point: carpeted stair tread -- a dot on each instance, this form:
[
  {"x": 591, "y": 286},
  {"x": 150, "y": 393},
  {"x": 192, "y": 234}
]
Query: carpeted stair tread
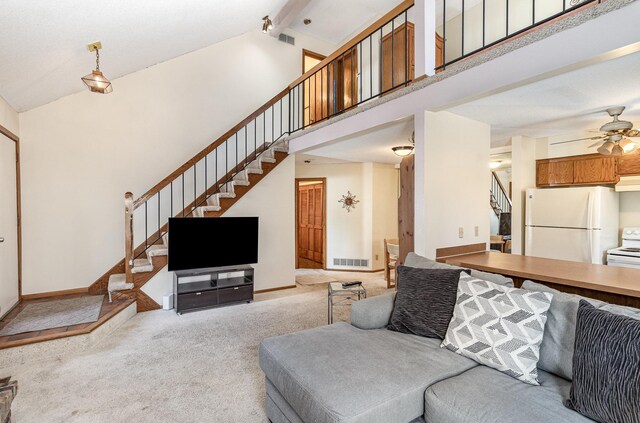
[
  {"x": 157, "y": 250},
  {"x": 118, "y": 282},
  {"x": 141, "y": 266}
]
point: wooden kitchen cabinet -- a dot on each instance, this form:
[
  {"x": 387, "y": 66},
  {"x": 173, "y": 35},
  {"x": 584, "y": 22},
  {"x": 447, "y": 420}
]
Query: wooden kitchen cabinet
[
  {"x": 629, "y": 164},
  {"x": 589, "y": 169}
]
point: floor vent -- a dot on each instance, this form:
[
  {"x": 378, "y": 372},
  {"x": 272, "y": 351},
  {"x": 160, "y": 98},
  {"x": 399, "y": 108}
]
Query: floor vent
[
  {"x": 287, "y": 39},
  {"x": 351, "y": 262}
]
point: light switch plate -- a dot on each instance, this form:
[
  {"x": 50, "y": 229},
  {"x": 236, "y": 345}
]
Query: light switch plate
[{"x": 460, "y": 232}]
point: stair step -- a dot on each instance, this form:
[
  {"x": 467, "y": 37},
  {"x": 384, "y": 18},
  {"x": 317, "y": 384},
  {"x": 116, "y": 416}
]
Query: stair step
[
  {"x": 157, "y": 250},
  {"x": 142, "y": 266},
  {"x": 242, "y": 178},
  {"x": 214, "y": 200},
  {"x": 118, "y": 282},
  {"x": 203, "y": 209},
  {"x": 264, "y": 158}
]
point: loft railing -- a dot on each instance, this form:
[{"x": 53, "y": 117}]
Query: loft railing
[
  {"x": 376, "y": 62},
  {"x": 499, "y": 199},
  {"x": 478, "y": 25}
]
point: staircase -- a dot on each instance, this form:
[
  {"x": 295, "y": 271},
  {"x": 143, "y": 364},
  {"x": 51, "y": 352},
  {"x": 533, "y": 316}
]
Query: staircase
[
  {"x": 498, "y": 198},
  {"x": 213, "y": 180}
]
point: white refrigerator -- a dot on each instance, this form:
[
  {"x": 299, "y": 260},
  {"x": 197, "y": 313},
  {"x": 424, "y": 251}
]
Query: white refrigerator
[{"x": 577, "y": 224}]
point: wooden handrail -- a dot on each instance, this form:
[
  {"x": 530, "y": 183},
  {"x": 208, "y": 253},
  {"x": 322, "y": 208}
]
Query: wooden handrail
[
  {"x": 355, "y": 40},
  {"x": 128, "y": 236},
  {"x": 346, "y": 47},
  {"x": 175, "y": 174},
  {"x": 495, "y": 176}
]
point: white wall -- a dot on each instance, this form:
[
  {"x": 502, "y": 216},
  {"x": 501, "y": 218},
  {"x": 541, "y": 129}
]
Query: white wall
[
  {"x": 83, "y": 152},
  {"x": 276, "y": 237},
  {"x": 629, "y": 209},
  {"x": 385, "y": 210},
  {"x": 523, "y": 173},
  {"x": 9, "y": 117},
  {"x": 454, "y": 154},
  {"x": 357, "y": 234}
]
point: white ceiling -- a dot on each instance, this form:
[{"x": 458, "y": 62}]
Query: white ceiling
[
  {"x": 568, "y": 103},
  {"x": 372, "y": 145},
  {"x": 336, "y": 20},
  {"x": 43, "y": 43}
]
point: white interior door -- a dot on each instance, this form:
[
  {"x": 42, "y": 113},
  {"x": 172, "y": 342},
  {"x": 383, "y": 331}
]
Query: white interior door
[
  {"x": 8, "y": 226},
  {"x": 563, "y": 244}
]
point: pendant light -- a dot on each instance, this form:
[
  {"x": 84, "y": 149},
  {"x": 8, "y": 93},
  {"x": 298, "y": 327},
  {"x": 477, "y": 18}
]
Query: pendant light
[
  {"x": 405, "y": 150},
  {"x": 96, "y": 82},
  {"x": 267, "y": 25}
]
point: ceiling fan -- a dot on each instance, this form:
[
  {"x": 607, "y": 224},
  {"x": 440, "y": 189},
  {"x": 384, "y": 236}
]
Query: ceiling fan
[{"x": 614, "y": 138}]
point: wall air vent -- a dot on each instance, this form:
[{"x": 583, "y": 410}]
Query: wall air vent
[
  {"x": 351, "y": 262},
  {"x": 287, "y": 39}
]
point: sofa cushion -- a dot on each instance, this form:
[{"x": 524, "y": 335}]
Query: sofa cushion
[
  {"x": 340, "y": 373},
  {"x": 415, "y": 260},
  {"x": 606, "y": 366},
  {"x": 425, "y": 300},
  {"x": 499, "y": 327},
  {"x": 556, "y": 351},
  {"x": 484, "y": 395},
  {"x": 373, "y": 312}
]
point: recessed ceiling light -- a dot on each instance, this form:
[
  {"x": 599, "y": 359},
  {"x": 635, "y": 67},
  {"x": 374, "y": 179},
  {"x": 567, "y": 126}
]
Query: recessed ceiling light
[{"x": 495, "y": 164}]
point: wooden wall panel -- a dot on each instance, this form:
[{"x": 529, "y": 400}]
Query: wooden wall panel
[{"x": 406, "y": 204}]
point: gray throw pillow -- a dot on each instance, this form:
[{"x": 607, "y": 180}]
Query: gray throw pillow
[
  {"x": 415, "y": 260},
  {"x": 499, "y": 327},
  {"x": 424, "y": 302},
  {"x": 556, "y": 350},
  {"x": 606, "y": 366}
]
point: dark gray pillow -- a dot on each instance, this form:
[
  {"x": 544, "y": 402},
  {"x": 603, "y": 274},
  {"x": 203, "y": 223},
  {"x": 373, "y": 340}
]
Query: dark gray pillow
[
  {"x": 425, "y": 301},
  {"x": 606, "y": 366}
]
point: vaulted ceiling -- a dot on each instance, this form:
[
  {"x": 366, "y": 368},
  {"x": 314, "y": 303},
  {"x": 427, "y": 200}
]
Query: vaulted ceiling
[{"x": 43, "y": 43}]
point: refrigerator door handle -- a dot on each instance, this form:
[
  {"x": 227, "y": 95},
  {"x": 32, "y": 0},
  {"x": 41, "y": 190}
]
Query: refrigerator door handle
[
  {"x": 590, "y": 237},
  {"x": 590, "y": 212}
]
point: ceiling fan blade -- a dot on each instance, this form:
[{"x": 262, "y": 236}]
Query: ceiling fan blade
[
  {"x": 581, "y": 139},
  {"x": 596, "y": 143}
]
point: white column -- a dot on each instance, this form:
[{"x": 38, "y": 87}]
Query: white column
[
  {"x": 419, "y": 215},
  {"x": 425, "y": 37},
  {"x": 524, "y": 152}
]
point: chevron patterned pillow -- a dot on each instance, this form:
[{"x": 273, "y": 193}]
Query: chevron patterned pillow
[{"x": 499, "y": 327}]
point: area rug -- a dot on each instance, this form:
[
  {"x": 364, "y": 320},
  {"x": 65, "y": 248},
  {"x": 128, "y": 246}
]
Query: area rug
[
  {"x": 308, "y": 277},
  {"x": 53, "y": 314}
]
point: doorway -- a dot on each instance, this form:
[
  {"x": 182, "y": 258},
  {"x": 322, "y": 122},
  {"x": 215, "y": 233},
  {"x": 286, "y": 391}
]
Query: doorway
[
  {"x": 311, "y": 228},
  {"x": 10, "y": 289}
]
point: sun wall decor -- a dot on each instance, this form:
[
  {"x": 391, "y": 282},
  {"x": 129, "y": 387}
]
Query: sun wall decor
[{"x": 348, "y": 201}]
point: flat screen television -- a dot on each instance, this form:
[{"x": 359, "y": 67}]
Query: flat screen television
[{"x": 198, "y": 243}]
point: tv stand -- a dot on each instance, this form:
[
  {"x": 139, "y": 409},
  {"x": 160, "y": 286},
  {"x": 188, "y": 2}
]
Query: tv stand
[{"x": 204, "y": 288}]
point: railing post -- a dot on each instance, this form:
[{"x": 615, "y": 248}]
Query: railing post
[{"x": 128, "y": 236}]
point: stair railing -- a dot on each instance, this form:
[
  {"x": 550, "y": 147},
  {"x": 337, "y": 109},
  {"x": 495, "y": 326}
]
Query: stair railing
[
  {"x": 354, "y": 74},
  {"x": 499, "y": 199}
]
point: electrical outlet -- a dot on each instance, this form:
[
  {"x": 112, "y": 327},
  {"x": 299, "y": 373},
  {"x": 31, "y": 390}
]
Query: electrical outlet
[
  {"x": 460, "y": 232},
  {"x": 477, "y": 231}
]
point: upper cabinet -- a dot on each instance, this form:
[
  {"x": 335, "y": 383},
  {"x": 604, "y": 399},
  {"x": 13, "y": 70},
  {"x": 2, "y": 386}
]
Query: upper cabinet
[
  {"x": 629, "y": 164},
  {"x": 589, "y": 169}
]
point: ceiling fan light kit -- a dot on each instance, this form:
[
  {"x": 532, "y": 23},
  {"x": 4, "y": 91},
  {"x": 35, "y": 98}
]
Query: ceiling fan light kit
[{"x": 614, "y": 141}]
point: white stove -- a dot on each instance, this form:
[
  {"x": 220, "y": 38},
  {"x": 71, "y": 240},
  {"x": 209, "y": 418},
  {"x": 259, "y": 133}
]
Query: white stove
[{"x": 628, "y": 255}]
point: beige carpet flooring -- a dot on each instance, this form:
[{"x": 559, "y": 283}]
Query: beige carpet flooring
[{"x": 160, "y": 367}]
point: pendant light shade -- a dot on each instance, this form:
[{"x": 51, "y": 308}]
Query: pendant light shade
[
  {"x": 403, "y": 150},
  {"x": 96, "y": 82}
]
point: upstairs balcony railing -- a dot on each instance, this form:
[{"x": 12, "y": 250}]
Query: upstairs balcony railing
[{"x": 470, "y": 26}]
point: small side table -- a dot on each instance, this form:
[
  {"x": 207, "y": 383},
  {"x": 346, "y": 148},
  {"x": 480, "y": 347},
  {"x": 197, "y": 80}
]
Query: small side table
[{"x": 339, "y": 296}]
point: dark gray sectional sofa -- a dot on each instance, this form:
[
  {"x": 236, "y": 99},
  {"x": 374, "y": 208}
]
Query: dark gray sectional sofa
[{"x": 364, "y": 373}]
